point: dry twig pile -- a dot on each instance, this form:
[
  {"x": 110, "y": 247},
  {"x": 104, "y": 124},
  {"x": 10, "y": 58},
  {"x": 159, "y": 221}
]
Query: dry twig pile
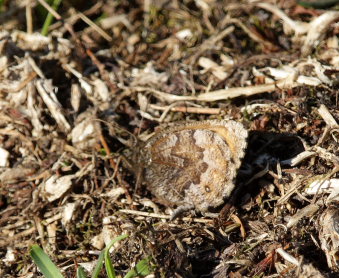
[{"x": 74, "y": 103}]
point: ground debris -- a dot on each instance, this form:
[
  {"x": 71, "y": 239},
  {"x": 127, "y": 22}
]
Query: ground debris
[{"x": 76, "y": 105}]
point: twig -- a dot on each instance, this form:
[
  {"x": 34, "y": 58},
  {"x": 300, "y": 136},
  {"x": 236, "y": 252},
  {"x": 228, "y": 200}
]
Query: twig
[
  {"x": 298, "y": 158},
  {"x": 45, "y": 89},
  {"x": 189, "y": 109},
  {"x": 253, "y": 35},
  {"x": 29, "y": 20},
  {"x": 327, "y": 117},
  {"x": 287, "y": 256},
  {"x": 297, "y": 27},
  {"x": 163, "y": 216},
  {"x": 24, "y": 83},
  {"x": 185, "y": 109},
  {"x": 50, "y": 9},
  {"x": 107, "y": 150},
  {"x": 104, "y": 74},
  {"x": 210, "y": 43},
  {"x": 222, "y": 94},
  {"x": 317, "y": 29},
  {"x": 68, "y": 27},
  {"x": 12, "y": 239},
  {"x": 92, "y": 24},
  {"x": 230, "y": 93}
]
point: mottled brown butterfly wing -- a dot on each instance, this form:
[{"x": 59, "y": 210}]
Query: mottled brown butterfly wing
[{"x": 195, "y": 163}]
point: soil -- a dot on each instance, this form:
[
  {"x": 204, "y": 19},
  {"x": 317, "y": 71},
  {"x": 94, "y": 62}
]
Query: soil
[{"x": 77, "y": 103}]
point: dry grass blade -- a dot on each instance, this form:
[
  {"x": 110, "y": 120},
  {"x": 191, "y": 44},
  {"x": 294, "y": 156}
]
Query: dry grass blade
[{"x": 118, "y": 90}]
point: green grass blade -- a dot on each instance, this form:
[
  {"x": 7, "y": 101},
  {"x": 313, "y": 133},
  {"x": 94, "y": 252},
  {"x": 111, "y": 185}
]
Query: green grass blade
[
  {"x": 321, "y": 4},
  {"x": 99, "y": 264},
  {"x": 114, "y": 240},
  {"x": 108, "y": 263},
  {"x": 2, "y": 2},
  {"x": 81, "y": 272},
  {"x": 109, "y": 267},
  {"x": 143, "y": 268},
  {"x": 49, "y": 18},
  {"x": 44, "y": 263}
]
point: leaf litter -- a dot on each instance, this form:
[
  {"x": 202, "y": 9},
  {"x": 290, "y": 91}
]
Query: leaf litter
[{"x": 75, "y": 104}]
